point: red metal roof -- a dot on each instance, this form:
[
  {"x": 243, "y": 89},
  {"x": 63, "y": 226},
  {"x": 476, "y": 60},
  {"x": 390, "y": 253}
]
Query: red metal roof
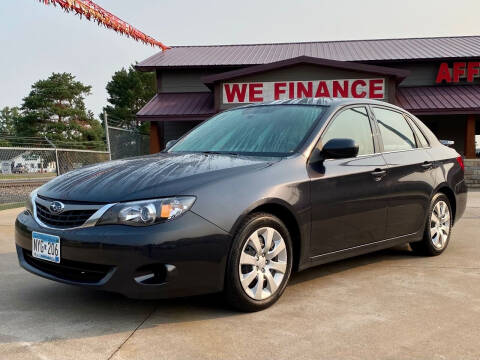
[
  {"x": 440, "y": 99},
  {"x": 181, "y": 106},
  {"x": 354, "y": 50}
]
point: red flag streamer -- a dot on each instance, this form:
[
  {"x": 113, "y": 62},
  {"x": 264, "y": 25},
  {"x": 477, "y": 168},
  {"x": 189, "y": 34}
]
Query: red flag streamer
[{"x": 91, "y": 11}]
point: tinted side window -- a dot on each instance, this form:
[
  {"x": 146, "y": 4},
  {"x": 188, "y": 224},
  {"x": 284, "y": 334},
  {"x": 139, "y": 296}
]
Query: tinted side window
[
  {"x": 395, "y": 131},
  {"x": 353, "y": 124},
  {"x": 423, "y": 139}
]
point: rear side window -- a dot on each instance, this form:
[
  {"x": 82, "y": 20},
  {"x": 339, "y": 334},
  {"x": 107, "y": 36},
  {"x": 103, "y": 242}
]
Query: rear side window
[
  {"x": 423, "y": 140},
  {"x": 353, "y": 124},
  {"x": 396, "y": 133}
]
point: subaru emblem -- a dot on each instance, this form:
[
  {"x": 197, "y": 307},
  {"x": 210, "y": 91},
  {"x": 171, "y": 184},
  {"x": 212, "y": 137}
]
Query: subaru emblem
[{"x": 56, "y": 207}]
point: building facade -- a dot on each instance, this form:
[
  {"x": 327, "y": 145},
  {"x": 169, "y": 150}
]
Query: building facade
[{"x": 436, "y": 79}]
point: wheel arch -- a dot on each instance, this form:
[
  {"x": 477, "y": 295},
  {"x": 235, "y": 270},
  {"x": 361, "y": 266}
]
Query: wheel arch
[
  {"x": 285, "y": 213},
  {"x": 448, "y": 192}
]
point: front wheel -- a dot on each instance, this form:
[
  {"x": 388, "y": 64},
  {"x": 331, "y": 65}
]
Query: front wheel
[
  {"x": 437, "y": 229},
  {"x": 260, "y": 263}
]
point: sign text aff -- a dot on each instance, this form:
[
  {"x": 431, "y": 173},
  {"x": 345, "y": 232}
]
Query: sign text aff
[{"x": 458, "y": 72}]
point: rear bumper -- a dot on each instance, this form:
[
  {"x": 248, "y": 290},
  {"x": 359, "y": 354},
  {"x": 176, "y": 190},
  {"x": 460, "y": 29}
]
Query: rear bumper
[
  {"x": 461, "y": 199},
  {"x": 186, "y": 256}
]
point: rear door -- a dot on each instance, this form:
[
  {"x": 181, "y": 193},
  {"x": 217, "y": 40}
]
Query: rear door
[
  {"x": 410, "y": 179},
  {"x": 348, "y": 195}
]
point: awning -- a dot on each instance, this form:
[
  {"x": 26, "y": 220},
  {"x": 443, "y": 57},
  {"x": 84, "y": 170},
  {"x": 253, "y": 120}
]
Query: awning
[
  {"x": 178, "y": 107},
  {"x": 433, "y": 100}
]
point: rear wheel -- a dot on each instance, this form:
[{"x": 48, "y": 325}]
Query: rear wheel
[
  {"x": 260, "y": 263},
  {"x": 437, "y": 229}
]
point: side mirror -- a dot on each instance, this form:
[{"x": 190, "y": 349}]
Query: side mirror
[
  {"x": 447, "y": 142},
  {"x": 339, "y": 149},
  {"x": 170, "y": 144}
]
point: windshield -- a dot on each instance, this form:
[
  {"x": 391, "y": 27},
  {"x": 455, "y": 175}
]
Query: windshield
[{"x": 274, "y": 130}]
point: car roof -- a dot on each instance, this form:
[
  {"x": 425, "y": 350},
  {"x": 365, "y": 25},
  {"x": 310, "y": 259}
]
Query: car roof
[{"x": 324, "y": 101}]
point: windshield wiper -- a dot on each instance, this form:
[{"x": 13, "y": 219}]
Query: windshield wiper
[{"x": 219, "y": 153}]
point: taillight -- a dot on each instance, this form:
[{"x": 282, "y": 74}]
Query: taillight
[{"x": 460, "y": 162}]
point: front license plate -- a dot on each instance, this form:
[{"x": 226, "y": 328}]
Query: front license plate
[{"x": 46, "y": 247}]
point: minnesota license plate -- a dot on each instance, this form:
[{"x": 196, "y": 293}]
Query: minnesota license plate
[{"x": 46, "y": 247}]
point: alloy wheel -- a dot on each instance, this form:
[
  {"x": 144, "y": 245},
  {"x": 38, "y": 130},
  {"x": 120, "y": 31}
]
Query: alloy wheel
[
  {"x": 263, "y": 263},
  {"x": 440, "y": 225}
]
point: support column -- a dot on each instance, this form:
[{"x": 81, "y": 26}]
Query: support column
[
  {"x": 156, "y": 137},
  {"x": 470, "y": 137}
]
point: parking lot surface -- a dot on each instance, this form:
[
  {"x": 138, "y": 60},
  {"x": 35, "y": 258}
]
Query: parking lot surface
[{"x": 386, "y": 305}]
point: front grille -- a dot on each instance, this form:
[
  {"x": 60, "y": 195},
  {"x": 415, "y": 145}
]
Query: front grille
[
  {"x": 69, "y": 270},
  {"x": 66, "y": 219}
]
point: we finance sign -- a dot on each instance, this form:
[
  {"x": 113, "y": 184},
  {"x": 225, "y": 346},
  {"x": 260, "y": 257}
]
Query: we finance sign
[{"x": 239, "y": 93}]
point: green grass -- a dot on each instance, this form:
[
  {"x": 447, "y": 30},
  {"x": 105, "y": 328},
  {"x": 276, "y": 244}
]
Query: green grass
[
  {"x": 12, "y": 206},
  {"x": 26, "y": 176}
]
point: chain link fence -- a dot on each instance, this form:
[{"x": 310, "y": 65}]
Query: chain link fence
[
  {"x": 126, "y": 143},
  {"x": 27, "y": 163},
  {"x": 23, "y": 169}
]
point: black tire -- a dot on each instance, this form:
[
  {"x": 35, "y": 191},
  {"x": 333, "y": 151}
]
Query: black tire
[
  {"x": 234, "y": 292},
  {"x": 426, "y": 247}
]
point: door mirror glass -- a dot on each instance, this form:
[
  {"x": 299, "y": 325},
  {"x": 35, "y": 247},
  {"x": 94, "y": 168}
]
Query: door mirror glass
[
  {"x": 339, "y": 149},
  {"x": 170, "y": 144}
]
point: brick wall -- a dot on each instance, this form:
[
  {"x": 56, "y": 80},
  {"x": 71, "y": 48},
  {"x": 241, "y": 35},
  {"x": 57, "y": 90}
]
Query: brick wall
[{"x": 472, "y": 172}]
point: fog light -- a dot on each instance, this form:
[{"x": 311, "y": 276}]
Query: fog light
[{"x": 153, "y": 274}]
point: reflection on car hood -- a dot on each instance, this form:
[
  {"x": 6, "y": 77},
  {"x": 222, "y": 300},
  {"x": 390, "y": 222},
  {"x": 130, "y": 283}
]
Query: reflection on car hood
[{"x": 147, "y": 177}]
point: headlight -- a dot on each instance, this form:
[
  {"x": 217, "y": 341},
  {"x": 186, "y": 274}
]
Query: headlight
[
  {"x": 29, "y": 204},
  {"x": 147, "y": 212}
]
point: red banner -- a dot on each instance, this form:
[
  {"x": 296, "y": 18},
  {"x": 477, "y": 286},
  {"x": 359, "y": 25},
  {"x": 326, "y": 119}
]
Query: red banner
[{"x": 91, "y": 11}]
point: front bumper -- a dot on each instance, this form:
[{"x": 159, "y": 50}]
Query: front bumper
[{"x": 187, "y": 255}]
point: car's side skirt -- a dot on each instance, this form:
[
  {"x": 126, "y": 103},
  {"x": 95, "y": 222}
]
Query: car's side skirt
[{"x": 360, "y": 250}]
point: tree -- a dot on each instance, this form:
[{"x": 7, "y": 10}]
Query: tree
[
  {"x": 8, "y": 119},
  {"x": 129, "y": 90},
  {"x": 55, "y": 108}
]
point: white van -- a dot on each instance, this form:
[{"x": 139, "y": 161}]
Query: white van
[{"x": 6, "y": 168}]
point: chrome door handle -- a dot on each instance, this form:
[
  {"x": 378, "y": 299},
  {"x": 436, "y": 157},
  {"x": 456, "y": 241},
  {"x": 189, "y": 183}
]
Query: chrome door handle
[
  {"x": 378, "y": 174},
  {"x": 427, "y": 165}
]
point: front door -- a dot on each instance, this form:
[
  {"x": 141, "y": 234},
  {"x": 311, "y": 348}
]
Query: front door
[{"x": 348, "y": 195}]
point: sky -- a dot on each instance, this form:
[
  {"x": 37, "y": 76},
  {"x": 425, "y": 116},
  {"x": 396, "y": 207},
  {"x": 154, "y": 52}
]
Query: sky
[{"x": 36, "y": 40}]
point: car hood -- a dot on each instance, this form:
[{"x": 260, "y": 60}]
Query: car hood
[{"x": 147, "y": 177}]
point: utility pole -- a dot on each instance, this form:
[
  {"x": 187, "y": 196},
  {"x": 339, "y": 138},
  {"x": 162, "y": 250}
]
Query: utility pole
[
  {"x": 107, "y": 134},
  {"x": 56, "y": 154}
]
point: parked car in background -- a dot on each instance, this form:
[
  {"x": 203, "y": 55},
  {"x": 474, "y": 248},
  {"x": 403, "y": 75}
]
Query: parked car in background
[
  {"x": 246, "y": 198},
  {"x": 19, "y": 169}
]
